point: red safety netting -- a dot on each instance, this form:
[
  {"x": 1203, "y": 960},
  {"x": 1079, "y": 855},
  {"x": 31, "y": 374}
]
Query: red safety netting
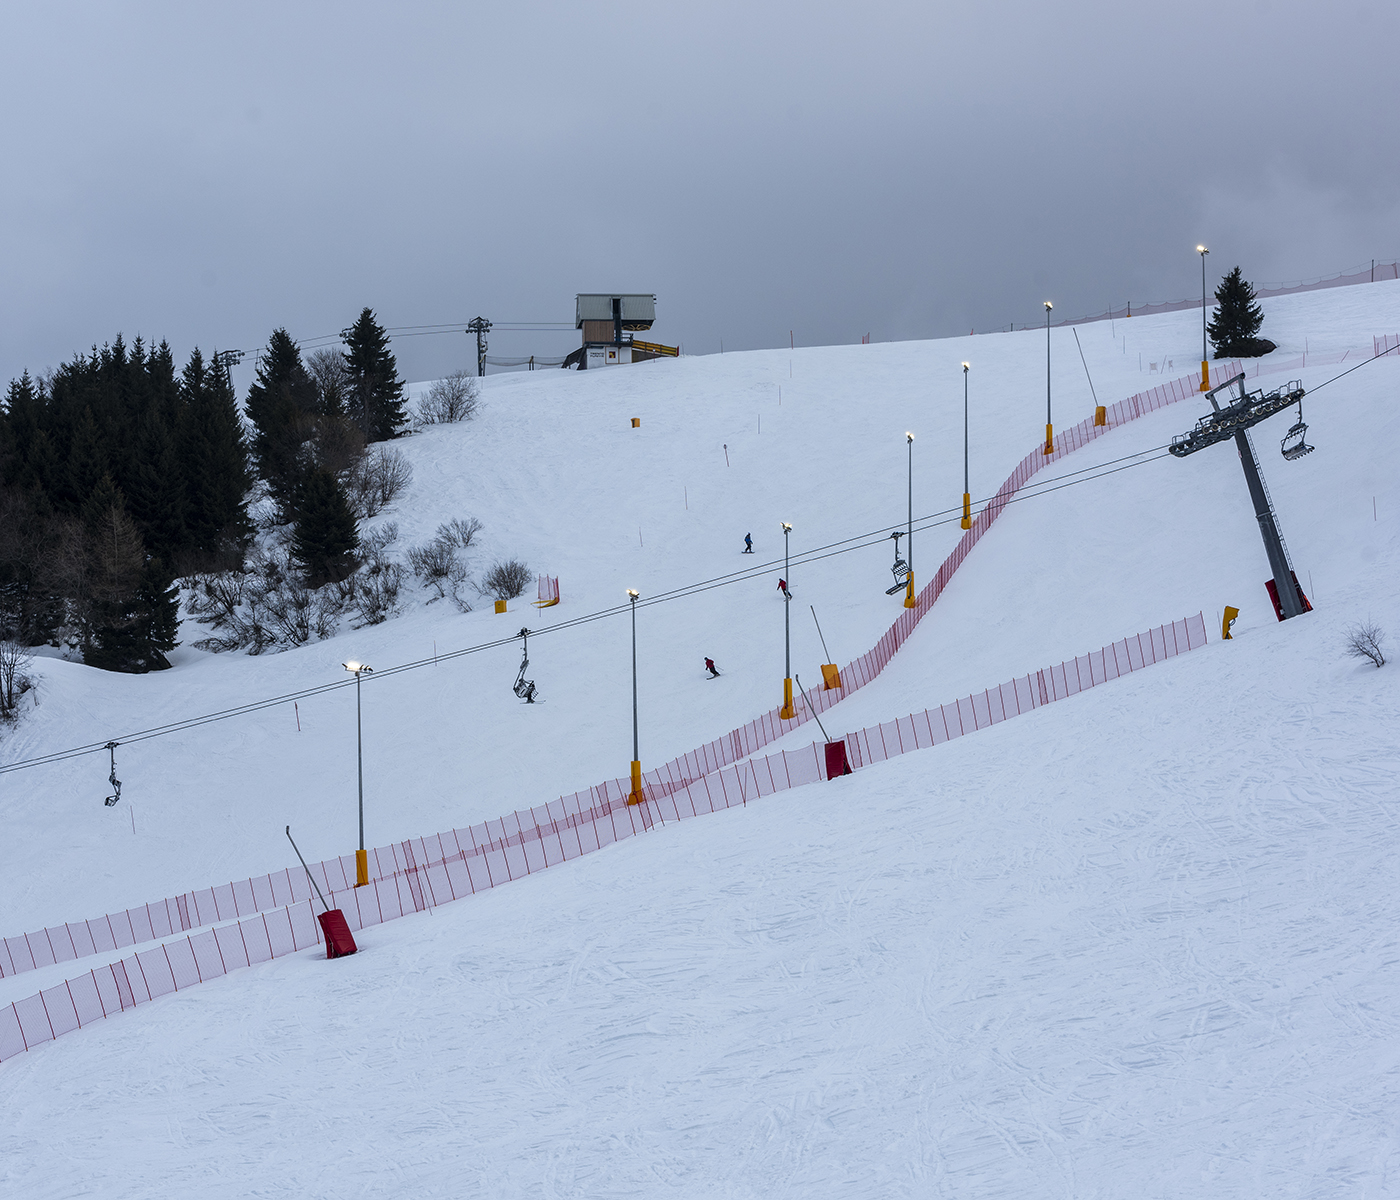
[
  {"x": 524, "y": 843},
  {"x": 547, "y": 590},
  {"x": 1386, "y": 343},
  {"x": 209, "y": 906}
]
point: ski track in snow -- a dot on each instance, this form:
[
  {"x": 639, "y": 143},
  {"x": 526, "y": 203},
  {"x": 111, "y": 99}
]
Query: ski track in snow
[{"x": 1141, "y": 943}]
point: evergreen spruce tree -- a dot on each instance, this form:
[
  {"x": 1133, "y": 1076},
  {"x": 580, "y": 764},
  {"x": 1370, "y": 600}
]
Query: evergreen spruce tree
[
  {"x": 156, "y": 499},
  {"x": 23, "y": 411},
  {"x": 87, "y": 463},
  {"x": 1237, "y": 320},
  {"x": 214, "y": 463},
  {"x": 280, "y": 403},
  {"x": 325, "y": 538},
  {"x": 376, "y": 391}
]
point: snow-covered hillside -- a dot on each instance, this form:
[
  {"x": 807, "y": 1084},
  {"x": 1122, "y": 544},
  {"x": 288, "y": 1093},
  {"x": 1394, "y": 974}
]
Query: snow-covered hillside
[{"x": 1134, "y": 944}]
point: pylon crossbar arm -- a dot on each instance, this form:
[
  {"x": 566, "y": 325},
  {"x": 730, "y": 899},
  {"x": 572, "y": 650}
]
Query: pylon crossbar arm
[{"x": 1247, "y": 411}]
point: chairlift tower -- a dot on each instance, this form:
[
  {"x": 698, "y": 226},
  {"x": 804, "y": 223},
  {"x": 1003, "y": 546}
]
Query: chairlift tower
[
  {"x": 479, "y": 326},
  {"x": 1234, "y": 421}
]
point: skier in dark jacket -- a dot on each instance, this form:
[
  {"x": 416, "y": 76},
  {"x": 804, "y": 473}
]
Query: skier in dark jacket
[
  {"x": 748, "y": 543},
  {"x": 783, "y": 587},
  {"x": 711, "y": 668}
]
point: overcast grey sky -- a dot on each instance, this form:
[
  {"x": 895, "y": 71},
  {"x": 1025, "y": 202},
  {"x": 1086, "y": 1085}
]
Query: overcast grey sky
[{"x": 205, "y": 173}]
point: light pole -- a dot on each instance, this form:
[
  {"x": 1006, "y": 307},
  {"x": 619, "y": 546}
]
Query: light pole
[
  {"x": 1049, "y": 428},
  {"x": 1205, "y": 358},
  {"x": 361, "y": 856},
  {"x": 909, "y": 600},
  {"x": 967, "y": 492},
  {"x": 787, "y": 712},
  {"x": 635, "y": 795}
]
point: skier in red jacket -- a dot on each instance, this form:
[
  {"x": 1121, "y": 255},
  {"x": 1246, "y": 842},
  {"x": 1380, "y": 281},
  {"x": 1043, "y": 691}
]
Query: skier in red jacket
[{"x": 711, "y": 668}]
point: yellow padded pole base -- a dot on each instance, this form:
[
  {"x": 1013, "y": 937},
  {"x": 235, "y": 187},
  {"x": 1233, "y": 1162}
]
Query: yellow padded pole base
[
  {"x": 1205, "y": 376},
  {"x": 967, "y": 510},
  {"x": 500, "y": 606},
  {"x": 1101, "y": 415},
  {"x": 831, "y": 677},
  {"x": 635, "y": 795},
  {"x": 1231, "y": 612},
  {"x": 636, "y": 422},
  {"x": 361, "y": 868},
  {"x": 1049, "y": 440},
  {"x": 787, "y": 712},
  {"x": 909, "y": 600}
]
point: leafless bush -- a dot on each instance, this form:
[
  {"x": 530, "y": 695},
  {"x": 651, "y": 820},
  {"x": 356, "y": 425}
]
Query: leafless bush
[
  {"x": 374, "y": 543},
  {"x": 506, "y": 580},
  {"x": 1364, "y": 640},
  {"x": 264, "y": 607},
  {"x": 437, "y": 563},
  {"x": 452, "y": 398},
  {"x": 15, "y": 660},
  {"x": 459, "y": 531},
  {"x": 376, "y": 591},
  {"x": 376, "y": 480},
  {"x": 331, "y": 374}
]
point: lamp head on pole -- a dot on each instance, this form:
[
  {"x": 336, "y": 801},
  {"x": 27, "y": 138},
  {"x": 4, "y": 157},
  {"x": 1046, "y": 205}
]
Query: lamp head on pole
[
  {"x": 908, "y": 437},
  {"x": 966, "y": 367},
  {"x": 357, "y": 667},
  {"x": 786, "y": 528},
  {"x": 1048, "y": 306},
  {"x": 632, "y": 594},
  {"x": 1202, "y": 250}
]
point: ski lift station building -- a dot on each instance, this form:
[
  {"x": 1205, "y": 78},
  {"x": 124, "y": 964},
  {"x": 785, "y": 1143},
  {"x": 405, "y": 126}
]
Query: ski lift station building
[{"x": 608, "y": 321}]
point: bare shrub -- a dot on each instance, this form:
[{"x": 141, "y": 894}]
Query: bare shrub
[
  {"x": 438, "y": 564},
  {"x": 460, "y": 531},
  {"x": 506, "y": 580},
  {"x": 1364, "y": 640},
  {"x": 331, "y": 374},
  {"x": 376, "y": 591},
  {"x": 15, "y": 660},
  {"x": 453, "y": 398},
  {"x": 376, "y": 480}
]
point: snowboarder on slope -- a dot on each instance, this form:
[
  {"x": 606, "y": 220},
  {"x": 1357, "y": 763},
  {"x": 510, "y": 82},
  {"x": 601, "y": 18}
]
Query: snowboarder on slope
[
  {"x": 748, "y": 543},
  {"x": 711, "y": 668},
  {"x": 783, "y": 587}
]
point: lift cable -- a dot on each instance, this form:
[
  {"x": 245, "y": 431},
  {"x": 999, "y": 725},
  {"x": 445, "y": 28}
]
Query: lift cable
[{"x": 947, "y": 516}]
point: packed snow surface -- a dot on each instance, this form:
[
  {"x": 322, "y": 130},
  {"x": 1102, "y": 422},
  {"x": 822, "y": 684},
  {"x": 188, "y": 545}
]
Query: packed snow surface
[{"x": 1139, "y": 943}]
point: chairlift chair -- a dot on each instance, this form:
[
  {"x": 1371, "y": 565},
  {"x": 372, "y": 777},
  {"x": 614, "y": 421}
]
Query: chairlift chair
[
  {"x": 525, "y": 688},
  {"x": 900, "y": 568},
  {"x": 1294, "y": 444}
]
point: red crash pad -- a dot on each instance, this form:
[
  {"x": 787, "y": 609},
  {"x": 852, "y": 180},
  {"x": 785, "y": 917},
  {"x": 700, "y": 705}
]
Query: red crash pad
[
  {"x": 836, "y": 763},
  {"x": 339, "y": 941}
]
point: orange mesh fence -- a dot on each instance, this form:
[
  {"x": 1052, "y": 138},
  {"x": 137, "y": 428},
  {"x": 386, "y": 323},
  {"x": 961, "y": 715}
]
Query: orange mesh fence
[
  {"x": 230, "y": 901},
  {"x": 523, "y": 844}
]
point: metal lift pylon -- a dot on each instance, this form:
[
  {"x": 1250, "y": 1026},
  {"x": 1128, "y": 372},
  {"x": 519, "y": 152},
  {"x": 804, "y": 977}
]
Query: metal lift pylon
[{"x": 1234, "y": 421}]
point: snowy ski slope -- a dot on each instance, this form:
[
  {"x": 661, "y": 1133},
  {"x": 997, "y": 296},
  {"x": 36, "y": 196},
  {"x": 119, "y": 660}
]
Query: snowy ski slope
[{"x": 1129, "y": 945}]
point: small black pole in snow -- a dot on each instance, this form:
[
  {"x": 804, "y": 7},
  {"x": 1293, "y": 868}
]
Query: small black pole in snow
[
  {"x": 307, "y": 869},
  {"x": 726, "y": 454},
  {"x": 296, "y": 708}
]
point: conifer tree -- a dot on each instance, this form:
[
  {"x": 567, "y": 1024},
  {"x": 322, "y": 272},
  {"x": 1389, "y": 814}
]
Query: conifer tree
[
  {"x": 376, "y": 391},
  {"x": 325, "y": 538},
  {"x": 280, "y": 402},
  {"x": 214, "y": 462},
  {"x": 1237, "y": 320}
]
